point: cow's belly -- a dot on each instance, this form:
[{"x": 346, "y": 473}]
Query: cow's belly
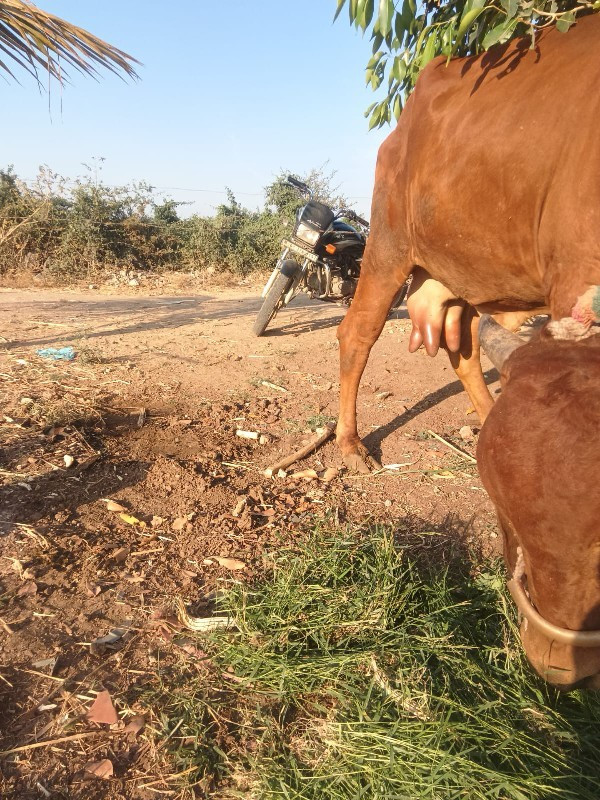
[
  {"x": 491, "y": 214},
  {"x": 491, "y": 282}
]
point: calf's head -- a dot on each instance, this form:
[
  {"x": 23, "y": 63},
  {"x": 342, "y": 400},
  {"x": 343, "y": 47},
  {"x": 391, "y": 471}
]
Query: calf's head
[{"x": 539, "y": 460}]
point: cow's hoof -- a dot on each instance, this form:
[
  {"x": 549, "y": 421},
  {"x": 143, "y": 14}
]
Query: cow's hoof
[{"x": 361, "y": 461}]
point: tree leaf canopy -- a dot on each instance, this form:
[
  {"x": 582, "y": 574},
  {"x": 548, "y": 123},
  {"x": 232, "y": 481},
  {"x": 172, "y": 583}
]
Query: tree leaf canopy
[{"x": 407, "y": 34}]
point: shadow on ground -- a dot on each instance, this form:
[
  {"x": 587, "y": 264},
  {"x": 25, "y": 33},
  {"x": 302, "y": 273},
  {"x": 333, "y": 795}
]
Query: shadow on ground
[{"x": 374, "y": 440}]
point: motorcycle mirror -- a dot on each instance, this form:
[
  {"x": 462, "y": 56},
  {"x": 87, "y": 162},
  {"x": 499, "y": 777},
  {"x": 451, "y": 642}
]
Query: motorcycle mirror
[{"x": 299, "y": 185}]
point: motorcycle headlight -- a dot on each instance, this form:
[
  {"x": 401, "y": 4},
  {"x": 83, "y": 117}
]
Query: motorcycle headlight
[{"x": 306, "y": 234}]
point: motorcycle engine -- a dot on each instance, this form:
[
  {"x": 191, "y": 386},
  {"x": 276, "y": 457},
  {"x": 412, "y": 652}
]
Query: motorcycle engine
[
  {"x": 348, "y": 287},
  {"x": 316, "y": 283}
]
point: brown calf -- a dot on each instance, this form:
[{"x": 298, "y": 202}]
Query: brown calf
[{"x": 539, "y": 459}]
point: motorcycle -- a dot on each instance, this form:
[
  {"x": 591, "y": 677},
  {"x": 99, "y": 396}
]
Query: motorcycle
[{"x": 322, "y": 257}]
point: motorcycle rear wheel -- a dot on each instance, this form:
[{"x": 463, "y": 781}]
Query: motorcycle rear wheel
[
  {"x": 279, "y": 288},
  {"x": 401, "y": 296}
]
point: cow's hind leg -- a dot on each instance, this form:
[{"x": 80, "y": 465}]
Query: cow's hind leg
[
  {"x": 467, "y": 361},
  {"x": 467, "y": 364},
  {"x": 360, "y": 329}
]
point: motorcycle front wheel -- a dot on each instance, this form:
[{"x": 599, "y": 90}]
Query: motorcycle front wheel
[{"x": 272, "y": 302}]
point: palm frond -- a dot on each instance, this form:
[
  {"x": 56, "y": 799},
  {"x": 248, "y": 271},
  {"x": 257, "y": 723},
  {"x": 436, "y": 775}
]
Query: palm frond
[{"x": 36, "y": 40}]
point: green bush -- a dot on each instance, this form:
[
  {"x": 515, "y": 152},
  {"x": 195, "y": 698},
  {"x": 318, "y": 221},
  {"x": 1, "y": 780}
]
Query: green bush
[
  {"x": 78, "y": 229},
  {"x": 235, "y": 239}
]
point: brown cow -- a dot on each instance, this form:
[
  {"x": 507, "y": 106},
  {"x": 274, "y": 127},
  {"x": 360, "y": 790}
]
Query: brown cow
[
  {"x": 490, "y": 183},
  {"x": 539, "y": 459}
]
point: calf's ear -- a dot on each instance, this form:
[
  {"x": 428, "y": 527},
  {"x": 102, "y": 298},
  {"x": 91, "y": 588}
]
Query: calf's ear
[{"x": 497, "y": 342}]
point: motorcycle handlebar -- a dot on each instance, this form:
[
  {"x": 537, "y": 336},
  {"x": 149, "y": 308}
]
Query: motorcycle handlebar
[
  {"x": 298, "y": 184},
  {"x": 344, "y": 212},
  {"x": 347, "y": 212}
]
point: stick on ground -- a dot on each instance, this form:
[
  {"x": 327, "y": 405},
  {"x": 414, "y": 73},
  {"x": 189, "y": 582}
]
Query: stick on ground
[
  {"x": 36, "y": 745},
  {"x": 462, "y": 453},
  {"x": 298, "y": 455}
]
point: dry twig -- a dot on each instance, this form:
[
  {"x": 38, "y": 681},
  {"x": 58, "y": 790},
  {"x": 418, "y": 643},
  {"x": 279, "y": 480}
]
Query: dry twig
[
  {"x": 47, "y": 743},
  {"x": 461, "y": 453},
  {"x": 298, "y": 455}
]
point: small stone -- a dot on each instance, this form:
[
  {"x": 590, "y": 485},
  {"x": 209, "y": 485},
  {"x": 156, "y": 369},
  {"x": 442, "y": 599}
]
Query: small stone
[{"x": 466, "y": 433}]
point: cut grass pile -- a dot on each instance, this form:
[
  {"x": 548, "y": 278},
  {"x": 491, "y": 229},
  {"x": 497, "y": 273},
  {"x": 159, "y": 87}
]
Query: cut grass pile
[{"x": 362, "y": 669}]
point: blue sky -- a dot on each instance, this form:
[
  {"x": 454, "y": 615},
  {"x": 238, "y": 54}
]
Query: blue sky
[{"x": 230, "y": 93}]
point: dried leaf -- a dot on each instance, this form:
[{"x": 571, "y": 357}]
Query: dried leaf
[
  {"x": 114, "y": 635},
  {"x": 180, "y": 423},
  {"x": 18, "y": 567},
  {"x": 281, "y": 473},
  {"x": 135, "y": 725},
  {"x": 100, "y": 769},
  {"x": 120, "y": 555},
  {"x": 103, "y": 711},
  {"x": 190, "y": 648},
  {"x": 54, "y": 431},
  {"x": 230, "y": 677},
  {"x": 189, "y": 573},
  {"x": 156, "y": 522},
  {"x": 46, "y": 662},
  {"x": 179, "y": 524},
  {"x": 275, "y": 386},
  {"x": 111, "y": 505},
  {"x": 307, "y": 474},
  {"x": 442, "y": 473},
  {"x": 200, "y": 624},
  {"x": 265, "y": 512},
  {"x": 6, "y": 627},
  {"x": 230, "y": 563},
  {"x": 239, "y": 507},
  {"x": 329, "y": 474},
  {"x": 28, "y": 588},
  {"x": 130, "y": 520},
  {"x": 47, "y": 707}
]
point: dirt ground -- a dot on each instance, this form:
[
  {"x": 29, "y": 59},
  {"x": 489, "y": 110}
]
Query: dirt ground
[{"x": 146, "y": 416}]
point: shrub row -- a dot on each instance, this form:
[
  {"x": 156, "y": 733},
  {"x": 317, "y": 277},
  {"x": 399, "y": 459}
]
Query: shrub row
[{"x": 77, "y": 229}]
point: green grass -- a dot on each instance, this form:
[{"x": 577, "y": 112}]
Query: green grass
[
  {"x": 319, "y": 421},
  {"x": 366, "y": 668}
]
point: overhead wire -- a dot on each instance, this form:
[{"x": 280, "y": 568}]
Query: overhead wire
[{"x": 161, "y": 189}]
